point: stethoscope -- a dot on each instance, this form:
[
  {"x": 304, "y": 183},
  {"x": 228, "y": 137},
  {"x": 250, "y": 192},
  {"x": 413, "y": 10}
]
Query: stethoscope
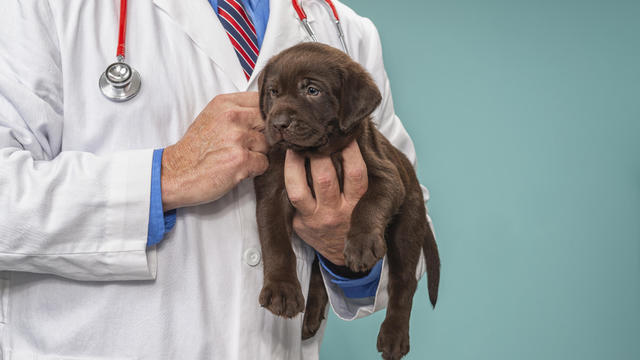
[
  {"x": 302, "y": 16},
  {"x": 120, "y": 82}
]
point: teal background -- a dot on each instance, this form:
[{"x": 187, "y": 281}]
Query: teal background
[{"x": 526, "y": 119}]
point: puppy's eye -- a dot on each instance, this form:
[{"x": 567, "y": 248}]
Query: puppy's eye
[
  {"x": 273, "y": 92},
  {"x": 313, "y": 91}
]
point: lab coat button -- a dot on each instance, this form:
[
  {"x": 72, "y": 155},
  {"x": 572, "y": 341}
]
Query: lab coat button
[{"x": 252, "y": 256}]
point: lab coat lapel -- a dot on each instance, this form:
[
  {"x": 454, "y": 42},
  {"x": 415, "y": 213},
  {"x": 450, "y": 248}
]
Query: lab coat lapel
[
  {"x": 283, "y": 31},
  {"x": 199, "y": 21}
]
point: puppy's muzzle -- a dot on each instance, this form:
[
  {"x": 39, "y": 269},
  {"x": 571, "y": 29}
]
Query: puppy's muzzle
[{"x": 281, "y": 122}]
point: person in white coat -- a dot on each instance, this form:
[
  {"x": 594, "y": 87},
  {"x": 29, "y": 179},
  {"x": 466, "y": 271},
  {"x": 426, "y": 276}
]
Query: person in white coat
[{"x": 80, "y": 275}]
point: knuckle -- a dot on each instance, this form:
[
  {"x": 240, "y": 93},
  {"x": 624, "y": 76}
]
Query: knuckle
[
  {"x": 239, "y": 155},
  {"x": 356, "y": 173},
  {"x": 229, "y": 115},
  {"x": 219, "y": 102},
  {"x": 296, "y": 196},
  {"x": 361, "y": 191},
  {"x": 295, "y": 201},
  {"x": 325, "y": 181},
  {"x": 244, "y": 156},
  {"x": 225, "y": 117},
  {"x": 237, "y": 136}
]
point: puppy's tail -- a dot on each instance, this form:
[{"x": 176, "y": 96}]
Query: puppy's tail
[{"x": 432, "y": 259}]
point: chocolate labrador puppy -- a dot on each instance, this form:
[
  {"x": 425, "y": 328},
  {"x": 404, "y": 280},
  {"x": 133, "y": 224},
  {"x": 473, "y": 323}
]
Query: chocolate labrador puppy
[{"x": 316, "y": 100}]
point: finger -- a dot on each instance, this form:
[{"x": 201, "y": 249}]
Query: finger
[
  {"x": 258, "y": 163},
  {"x": 247, "y": 117},
  {"x": 325, "y": 182},
  {"x": 295, "y": 180},
  {"x": 256, "y": 141},
  {"x": 228, "y": 102},
  {"x": 242, "y": 99},
  {"x": 355, "y": 172}
]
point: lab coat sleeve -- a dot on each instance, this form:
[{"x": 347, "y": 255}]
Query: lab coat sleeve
[
  {"x": 160, "y": 222},
  {"x": 68, "y": 213},
  {"x": 365, "y": 285},
  {"x": 368, "y": 52}
]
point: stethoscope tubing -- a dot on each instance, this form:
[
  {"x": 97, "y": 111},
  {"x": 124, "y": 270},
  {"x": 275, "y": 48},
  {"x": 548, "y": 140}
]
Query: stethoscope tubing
[
  {"x": 122, "y": 30},
  {"x": 120, "y": 82},
  {"x": 333, "y": 12}
]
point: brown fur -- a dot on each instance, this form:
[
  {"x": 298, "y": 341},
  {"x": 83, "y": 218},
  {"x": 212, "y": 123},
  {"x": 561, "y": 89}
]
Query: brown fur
[{"x": 390, "y": 218}]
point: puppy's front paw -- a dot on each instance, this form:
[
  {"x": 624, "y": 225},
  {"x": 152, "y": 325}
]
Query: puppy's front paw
[
  {"x": 362, "y": 251},
  {"x": 393, "y": 340},
  {"x": 283, "y": 298}
]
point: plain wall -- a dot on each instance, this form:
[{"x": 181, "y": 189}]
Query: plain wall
[{"x": 526, "y": 120}]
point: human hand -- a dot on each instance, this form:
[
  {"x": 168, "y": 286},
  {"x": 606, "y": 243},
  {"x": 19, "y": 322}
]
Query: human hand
[
  {"x": 323, "y": 222},
  {"x": 223, "y": 146}
]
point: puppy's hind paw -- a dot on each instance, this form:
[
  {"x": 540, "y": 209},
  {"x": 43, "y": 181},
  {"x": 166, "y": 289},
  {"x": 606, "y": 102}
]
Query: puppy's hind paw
[
  {"x": 282, "y": 298},
  {"x": 312, "y": 319},
  {"x": 362, "y": 251}
]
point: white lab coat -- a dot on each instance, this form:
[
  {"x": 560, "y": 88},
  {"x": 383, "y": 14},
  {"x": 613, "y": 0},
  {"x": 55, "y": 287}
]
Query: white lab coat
[{"x": 77, "y": 279}]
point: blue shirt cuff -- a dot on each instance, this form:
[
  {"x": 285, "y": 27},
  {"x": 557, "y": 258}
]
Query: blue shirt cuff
[
  {"x": 160, "y": 222},
  {"x": 363, "y": 287}
]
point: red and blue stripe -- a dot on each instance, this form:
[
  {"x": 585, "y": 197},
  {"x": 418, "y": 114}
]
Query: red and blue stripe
[{"x": 241, "y": 32}]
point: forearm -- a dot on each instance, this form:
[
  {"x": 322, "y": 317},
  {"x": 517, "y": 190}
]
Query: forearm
[{"x": 78, "y": 215}]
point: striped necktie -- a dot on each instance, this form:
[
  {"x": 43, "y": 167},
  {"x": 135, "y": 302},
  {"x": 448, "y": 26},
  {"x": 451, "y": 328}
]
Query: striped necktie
[{"x": 241, "y": 32}]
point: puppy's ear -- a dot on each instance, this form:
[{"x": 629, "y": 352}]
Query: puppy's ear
[
  {"x": 265, "y": 99},
  {"x": 359, "y": 96}
]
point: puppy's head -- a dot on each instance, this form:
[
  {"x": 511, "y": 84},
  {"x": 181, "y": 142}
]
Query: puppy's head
[{"x": 314, "y": 97}]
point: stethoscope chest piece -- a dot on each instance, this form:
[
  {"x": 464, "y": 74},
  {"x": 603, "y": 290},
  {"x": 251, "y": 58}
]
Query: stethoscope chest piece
[{"x": 120, "y": 82}]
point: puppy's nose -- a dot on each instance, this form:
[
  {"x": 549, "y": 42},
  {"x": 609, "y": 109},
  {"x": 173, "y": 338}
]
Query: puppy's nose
[{"x": 281, "y": 121}]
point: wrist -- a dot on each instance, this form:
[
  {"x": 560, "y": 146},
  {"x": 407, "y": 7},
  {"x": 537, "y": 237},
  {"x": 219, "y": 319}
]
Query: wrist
[
  {"x": 341, "y": 270},
  {"x": 170, "y": 184},
  {"x": 334, "y": 257},
  {"x": 331, "y": 249}
]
